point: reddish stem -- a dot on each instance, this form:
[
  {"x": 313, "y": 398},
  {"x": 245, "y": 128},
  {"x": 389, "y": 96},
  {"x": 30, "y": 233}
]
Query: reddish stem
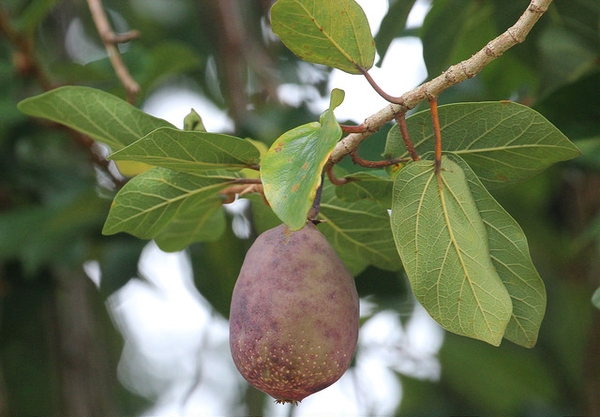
[
  {"x": 335, "y": 180},
  {"x": 437, "y": 133},
  {"x": 376, "y": 164},
  {"x": 379, "y": 90},
  {"x": 401, "y": 119}
]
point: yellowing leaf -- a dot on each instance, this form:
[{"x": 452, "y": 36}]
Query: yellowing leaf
[{"x": 291, "y": 169}]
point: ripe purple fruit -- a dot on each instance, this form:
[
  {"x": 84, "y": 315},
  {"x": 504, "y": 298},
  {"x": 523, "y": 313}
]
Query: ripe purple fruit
[{"x": 294, "y": 314}]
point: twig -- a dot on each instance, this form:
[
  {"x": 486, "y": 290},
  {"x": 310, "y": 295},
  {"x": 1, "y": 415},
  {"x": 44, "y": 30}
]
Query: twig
[
  {"x": 313, "y": 213},
  {"x": 335, "y": 180},
  {"x": 111, "y": 40},
  {"x": 452, "y": 76},
  {"x": 401, "y": 120},
  {"x": 240, "y": 187},
  {"x": 379, "y": 90},
  {"x": 27, "y": 64},
  {"x": 376, "y": 164}
]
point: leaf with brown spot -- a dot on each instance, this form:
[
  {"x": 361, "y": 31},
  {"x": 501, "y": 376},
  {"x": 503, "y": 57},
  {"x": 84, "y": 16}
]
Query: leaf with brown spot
[{"x": 291, "y": 169}]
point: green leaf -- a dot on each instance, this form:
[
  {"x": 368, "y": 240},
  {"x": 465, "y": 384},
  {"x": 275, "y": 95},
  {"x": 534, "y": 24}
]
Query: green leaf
[
  {"x": 204, "y": 223},
  {"x": 392, "y": 25},
  {"x": 329, "y": 32},
  {"x": 291, "y": 169},
  {"x": 443, "y": 244},
  {"x": 102, "y": 116},
  {"x": 147, "y": 205},
  {"x": 359, "y": 231},
  {"x": 367, "y": 186},
  {"x": 166, "y": 59},
  {"x": 53, "y": 233},
  {"x": 510, "y": 256},
  {"x": 453, "y": 30},
  {"x": 190, "y": 151},
  {"x": 502, "y": 142},
  {"x": 30, "y": 19},
  {"x": 193, "y": 122}
]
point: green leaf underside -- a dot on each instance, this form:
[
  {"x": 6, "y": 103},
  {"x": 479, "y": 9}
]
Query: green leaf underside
[
  {"x": 359, "y": 231},
  {"x": 190, "y": 151},
  {"x": 291, "y": 169},
  {"x": 329, "y": 32},
  {"x": 206, "y": 223},
  {"x": 443, "y": 244},
  {"x": 367, "y": 186},
  {"x": 510, "y": 256},
  {"x": 149, "y": 202},
  {"x": 503, "y": 142},
  {"x": 102, "y": 116}
]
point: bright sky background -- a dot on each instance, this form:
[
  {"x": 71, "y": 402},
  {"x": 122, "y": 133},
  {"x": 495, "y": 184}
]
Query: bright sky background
[{"x": 176, "y": 351}]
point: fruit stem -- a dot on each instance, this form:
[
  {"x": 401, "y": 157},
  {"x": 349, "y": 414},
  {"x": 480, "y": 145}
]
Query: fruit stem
[{"x": 313, "y": 213}]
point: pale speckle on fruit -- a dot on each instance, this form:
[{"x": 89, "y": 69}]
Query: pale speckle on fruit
[{"x": 294, "y": 315}]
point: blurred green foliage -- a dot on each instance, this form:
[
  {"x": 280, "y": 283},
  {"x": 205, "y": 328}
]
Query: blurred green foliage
[{"x": 58, "y": 346}]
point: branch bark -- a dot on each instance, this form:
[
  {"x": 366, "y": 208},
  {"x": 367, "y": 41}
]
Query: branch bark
[
  {"x": 454, "y": 75},
  {"x": 111, "y": 40}
]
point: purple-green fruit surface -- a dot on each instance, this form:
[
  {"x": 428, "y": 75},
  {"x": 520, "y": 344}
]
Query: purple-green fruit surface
[{"x": 294, "y": 314}]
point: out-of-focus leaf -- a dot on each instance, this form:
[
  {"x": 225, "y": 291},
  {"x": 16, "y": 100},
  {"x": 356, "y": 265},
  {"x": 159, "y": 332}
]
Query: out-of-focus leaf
[
  {"x": 329, "y": 32},
  {"x": 216, "y": 266},
  {"x": 392, "y": 25},
  {"x": 565, "y": 58},
  {"x": 190, "y": 151},
  {"x": 443, "y": 244},
  {"x": 102, "y": 116},
  {"x": 34, "y": 14},
  {"x": 580, "y": 121},
  {"x": 262, "y": 216},
  {"x": 291, "y": 169},
  {"x": 448, "y": 32},
  {"x": 519, "y": 376},
  {"x": 118, "y": 259},
  {"x": 168, "y": 59},
  {"x": 55, "y": 233},
  {"x": 503, "y": 142}
]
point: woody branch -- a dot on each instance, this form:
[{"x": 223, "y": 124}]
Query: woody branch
[{"x": 454, "y": 75}]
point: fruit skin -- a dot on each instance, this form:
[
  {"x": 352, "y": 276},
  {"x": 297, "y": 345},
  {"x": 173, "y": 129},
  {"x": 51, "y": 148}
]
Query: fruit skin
[{"x": 294, "y": 315}]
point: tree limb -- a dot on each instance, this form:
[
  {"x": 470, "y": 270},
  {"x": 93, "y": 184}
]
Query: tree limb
[
  {"x": 454, "y": 75},
  {"x": 111, "y": 40}
]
